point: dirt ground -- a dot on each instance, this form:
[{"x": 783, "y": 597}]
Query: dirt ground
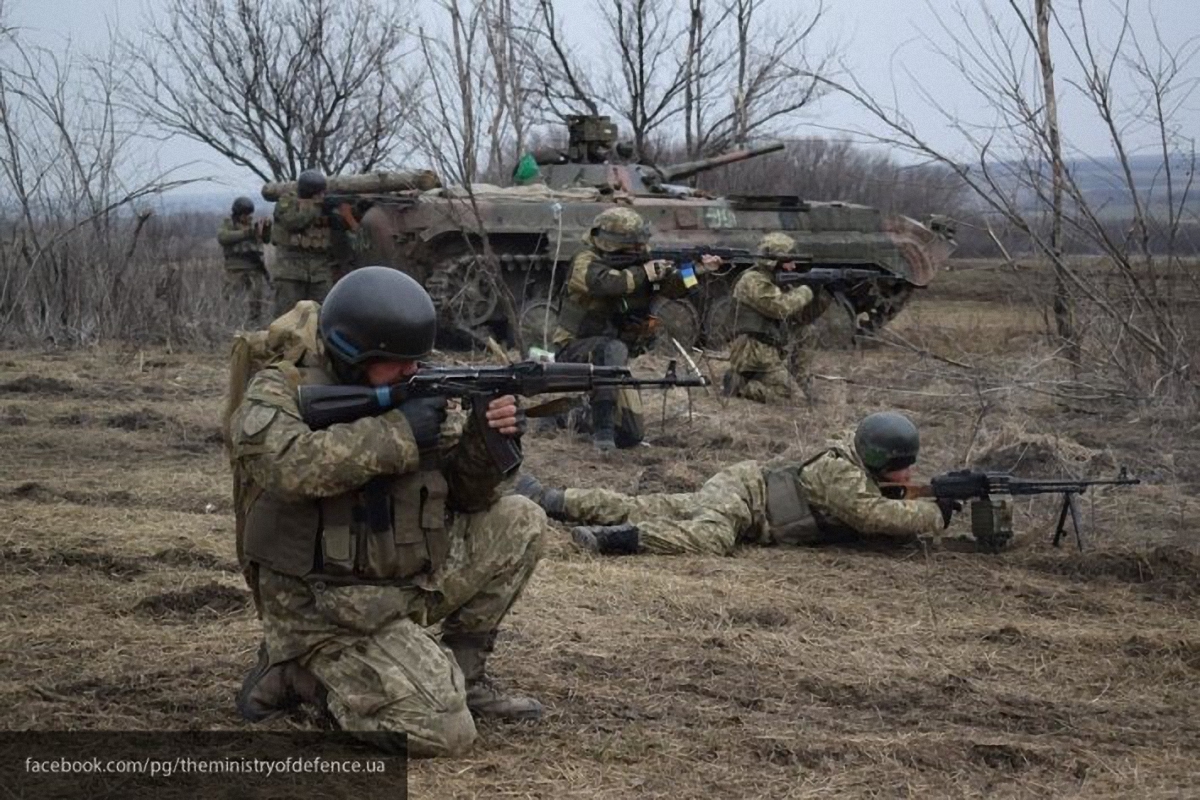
[{"x": 775, "y": 673}]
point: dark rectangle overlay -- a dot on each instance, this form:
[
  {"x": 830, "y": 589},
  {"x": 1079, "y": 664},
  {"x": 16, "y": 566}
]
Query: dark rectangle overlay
[{"x": 204, "y": 764}]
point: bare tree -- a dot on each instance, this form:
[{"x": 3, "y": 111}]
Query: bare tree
[
  {"x": 762, "y": 73},
  {"x": 476, "y": 120},
  {"x": 72, "y": 166},
  {"x": 277, "y": 86},
  {"x": 715, "y": 73},
  {"x": 1028, "y": 175}
]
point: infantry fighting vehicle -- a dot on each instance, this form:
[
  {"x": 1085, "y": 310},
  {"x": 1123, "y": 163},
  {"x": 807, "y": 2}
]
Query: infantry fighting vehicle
[{"x": 446, "y": 237}]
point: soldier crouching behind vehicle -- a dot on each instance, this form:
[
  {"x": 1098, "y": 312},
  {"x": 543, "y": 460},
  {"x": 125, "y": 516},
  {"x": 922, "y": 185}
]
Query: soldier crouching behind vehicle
[
  {"x": 770, "y": 357},
  {"x": 606, "y": 320},
  {"x": 832, "y": 497},
  {"x": 358, "y": 537}
]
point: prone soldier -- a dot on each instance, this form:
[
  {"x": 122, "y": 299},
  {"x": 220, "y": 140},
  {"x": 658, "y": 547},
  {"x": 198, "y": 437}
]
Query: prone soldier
[
  {"x": 835, "y": 496},
  {"x": 241, "y": 238},
  {"x": 357, "y": 538}
]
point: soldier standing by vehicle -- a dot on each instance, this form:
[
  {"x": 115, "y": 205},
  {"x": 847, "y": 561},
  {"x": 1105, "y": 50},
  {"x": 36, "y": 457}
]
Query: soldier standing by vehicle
[
  {"x": 359, "y": 537},
  {"x": 606, "y": 316},
  {"x": 834, "y": 496},
  {"x": 241, "y": 239},
  {"x": 773, "y": 329},
  {"x": 305, "y": 264}
]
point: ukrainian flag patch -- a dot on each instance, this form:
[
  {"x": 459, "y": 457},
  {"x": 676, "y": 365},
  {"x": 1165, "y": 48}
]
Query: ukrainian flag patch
[{"x": 688, "y": 273}]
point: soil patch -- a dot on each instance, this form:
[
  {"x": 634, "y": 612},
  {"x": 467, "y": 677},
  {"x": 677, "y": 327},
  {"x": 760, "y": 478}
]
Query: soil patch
[
  {"x": 36, "y": 384},
  {"x": 23, "y": 559},
  {"x": 211, "y": 599}
]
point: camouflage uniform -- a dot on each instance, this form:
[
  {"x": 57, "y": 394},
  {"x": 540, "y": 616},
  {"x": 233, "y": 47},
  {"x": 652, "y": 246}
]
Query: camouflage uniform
[
  {"x": 606, "y": 317},
  {"x": 349, "y": 594},
  {"x": 769, "y": 322},
  {"x": 838, "y": 500},
  {"x": 245, "y": 271},
  {"x": 305, "y": 263}
]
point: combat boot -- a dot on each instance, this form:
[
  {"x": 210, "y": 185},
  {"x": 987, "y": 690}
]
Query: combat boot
[
  {"x": 603, "y": 425},
  {"x": 485, "y": 698},
  {"x": 608, "y": 540},
  {"x": 552, "y": 501},
  {"x": 269, "y": 690}
]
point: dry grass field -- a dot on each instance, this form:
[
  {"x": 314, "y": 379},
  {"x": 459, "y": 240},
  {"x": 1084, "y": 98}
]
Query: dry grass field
[{"x": 774, "y": 673}]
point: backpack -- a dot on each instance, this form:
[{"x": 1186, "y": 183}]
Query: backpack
[{"x": 288, "y": 339}]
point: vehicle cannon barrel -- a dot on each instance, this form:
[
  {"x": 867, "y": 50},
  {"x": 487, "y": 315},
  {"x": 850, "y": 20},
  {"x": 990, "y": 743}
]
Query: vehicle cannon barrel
[
  {"x": 687, "y": 169},
  {"x": 369, "y": 183}
]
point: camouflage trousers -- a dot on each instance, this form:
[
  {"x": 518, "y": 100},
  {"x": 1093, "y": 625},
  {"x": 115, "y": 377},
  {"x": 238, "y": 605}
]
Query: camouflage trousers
[
  {"x": 629, "y": 420},
  {"x": 301, "y": 275},
  {"x": 370, "y": 645},
  {"x": 763, "y": 373},
  {"x": 728, "y": 508},
  {"x": 247, "y": 290}
]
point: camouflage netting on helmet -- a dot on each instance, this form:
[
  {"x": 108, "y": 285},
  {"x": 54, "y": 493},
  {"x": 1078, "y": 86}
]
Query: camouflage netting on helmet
[
  {"x": 618, "y": 229},
  {"x": 775, "y": 244}
]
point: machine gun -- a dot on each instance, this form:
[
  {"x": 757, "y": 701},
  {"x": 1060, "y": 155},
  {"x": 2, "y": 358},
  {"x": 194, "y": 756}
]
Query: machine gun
[
  {"x": 322, "y": 406},
  {"x": 991, "y": 520}
]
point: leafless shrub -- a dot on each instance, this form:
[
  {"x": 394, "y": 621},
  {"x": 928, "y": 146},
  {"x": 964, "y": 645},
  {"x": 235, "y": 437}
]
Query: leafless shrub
[
  {"x": 1131, "y": 82},
  {"x": 73, "y": 249}
]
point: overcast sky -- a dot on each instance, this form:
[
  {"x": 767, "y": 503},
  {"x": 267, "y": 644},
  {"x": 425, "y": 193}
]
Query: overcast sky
[{"x": 885, "y": 42}]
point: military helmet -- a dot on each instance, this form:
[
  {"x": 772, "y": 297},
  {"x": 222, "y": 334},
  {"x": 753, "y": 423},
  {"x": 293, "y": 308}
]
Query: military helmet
[
  {"x": 377, "y": 312},
  {"x": 775, "y": 244},
  {"x": 310, "y": 183},
  {"x": 243, "y": 206},
  {"x": 887, "y": 441},
  {"x": 616, "y": 229}
]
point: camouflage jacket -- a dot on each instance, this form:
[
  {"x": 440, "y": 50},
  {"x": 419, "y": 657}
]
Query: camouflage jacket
[
  {"x": 241, "y": 244},
  {"x": 761, "y": 309},
  {"x": 301, "y": 224},
  {"x": 608, "y": 301},
  {"x": 841, "y": 493},
  {"x": 315, "y": 484}
]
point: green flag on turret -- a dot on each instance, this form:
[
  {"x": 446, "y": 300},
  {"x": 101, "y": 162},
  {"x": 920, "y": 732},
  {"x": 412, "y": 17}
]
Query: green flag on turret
[{"x": 526, "y": 171}]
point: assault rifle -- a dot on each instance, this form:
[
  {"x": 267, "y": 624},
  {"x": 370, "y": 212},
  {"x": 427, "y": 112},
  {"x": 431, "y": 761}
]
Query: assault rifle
[
  {"x": 322, "y": 406},
  {"x": 991, "y": 521},
  {"x": 691, "y": 255},
  {"x": 833, "y": 277}
]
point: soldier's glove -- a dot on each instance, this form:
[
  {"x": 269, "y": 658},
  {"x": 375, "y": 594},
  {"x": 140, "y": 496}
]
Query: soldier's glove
[
  {"x": 425, "y": 416},
  {"x": 658, "y": 269},
  {"x": 948, "y": 507}
]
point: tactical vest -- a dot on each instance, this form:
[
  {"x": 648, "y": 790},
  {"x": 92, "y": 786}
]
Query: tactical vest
[
  {"x": 315, "y": 237},
  {"x": 583, "y": 315},
  {"x": 791, "y": 520},
  {"x": 750, "y": 322},
  {"x": 386, "y": 532},
  {"x": 243, "y": 254}
]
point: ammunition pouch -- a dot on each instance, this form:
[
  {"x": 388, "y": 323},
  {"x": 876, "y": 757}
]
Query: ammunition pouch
[
  {"x": 790, "y": 519},
  {"x": 388, "y": 531},
  {"x": 748, "y": 322},
  {"x": 991, "y": 523}
]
